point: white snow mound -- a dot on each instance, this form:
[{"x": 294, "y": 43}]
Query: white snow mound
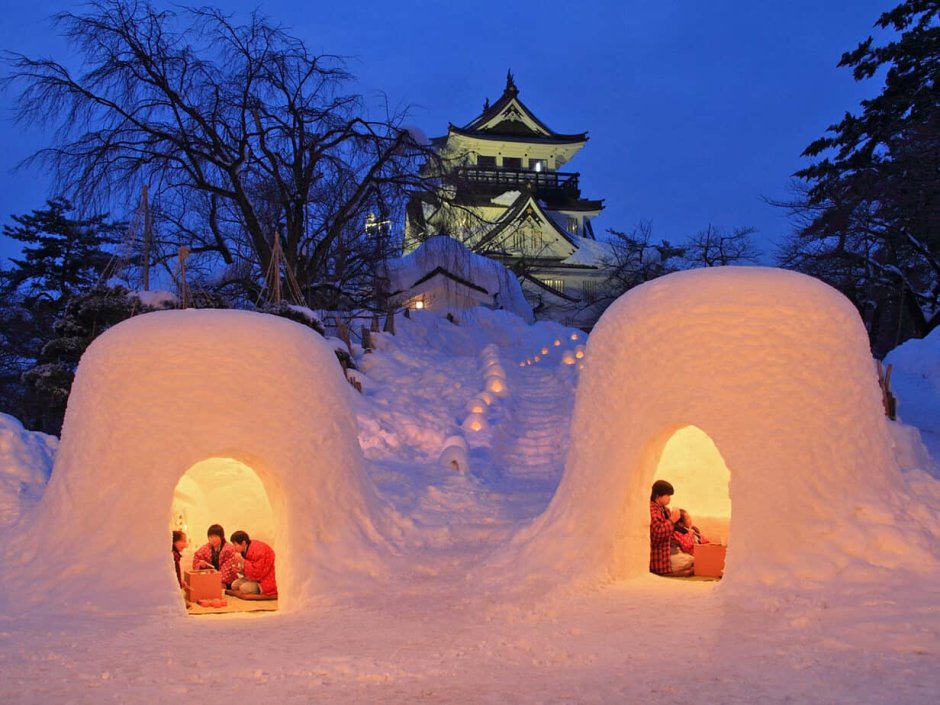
[
  {"x": 155, "y": 396},
  {"x": 775, "y": 367},
  {"x": 443, "y": 251},
  {"x": 915, "y": 379},
  {"x": 25, "y": 462}
]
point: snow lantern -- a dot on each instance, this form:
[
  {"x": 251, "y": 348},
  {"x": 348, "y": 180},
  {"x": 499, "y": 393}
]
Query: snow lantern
[
  {"x": 579, "y": 352},
  {"x": 568, "y": 357},
  {"x": 557, "y": 342},
  {"x": 496, "y": 386},
  {"x": 753, "y": 390},
  {"x": 476, "y": 406},
  {"x": 475, "y": 423},
  {"x": 455, "y": 454},
  {"x": 200, "y": 416}
]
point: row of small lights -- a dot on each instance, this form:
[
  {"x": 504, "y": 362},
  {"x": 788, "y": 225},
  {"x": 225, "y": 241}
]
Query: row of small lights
[
  {"x": 495, "y": 385},
  {"x": 568, "y": 357},
  {"x": 455, "y": 453}
]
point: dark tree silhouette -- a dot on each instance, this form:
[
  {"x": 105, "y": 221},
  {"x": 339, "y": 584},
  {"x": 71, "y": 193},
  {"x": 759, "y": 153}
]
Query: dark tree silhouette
[{"x": 240, "y": 132}]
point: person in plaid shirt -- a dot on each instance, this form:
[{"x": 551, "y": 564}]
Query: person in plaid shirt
[
  {"x": 218, "y": 554},
  {"x": 662, "y": 528}
]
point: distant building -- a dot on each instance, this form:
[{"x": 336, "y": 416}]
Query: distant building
[
  {"x": 444, "y": 277},
  {"x": 501, "y": 193}
]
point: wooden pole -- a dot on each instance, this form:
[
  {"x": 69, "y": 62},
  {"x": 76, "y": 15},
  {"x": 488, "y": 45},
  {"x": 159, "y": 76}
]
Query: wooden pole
[
  {"x": 147, "y": 237},
  {"x": 182, "y": 253},
  {"x": 276, "y": 269}
]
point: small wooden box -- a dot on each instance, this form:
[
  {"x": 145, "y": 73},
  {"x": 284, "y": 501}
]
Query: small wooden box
[
  {"x": 202, "y": 584},
  {"x": 709, "y": 559}
]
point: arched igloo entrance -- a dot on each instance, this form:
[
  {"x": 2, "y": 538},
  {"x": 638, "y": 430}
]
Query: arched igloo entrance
[
  {"x": 171, "y": 391},
  {"x": 694, "y": 466},
  {"x": 775, "y": 366},
  {"x": 222, "y": 491},
  {"x": 229, "y": 493}
]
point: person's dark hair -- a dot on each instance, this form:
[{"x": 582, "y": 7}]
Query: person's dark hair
[
  {"x": 177, "y": 536},
  {"x": 216, "y": 530},
  {"x": 661, "y": 487},
  {"x": 239, "y": 537}
]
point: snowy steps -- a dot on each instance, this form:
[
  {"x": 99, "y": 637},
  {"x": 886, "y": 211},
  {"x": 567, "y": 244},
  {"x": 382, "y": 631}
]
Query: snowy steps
[{"x": 534, "y": 448}]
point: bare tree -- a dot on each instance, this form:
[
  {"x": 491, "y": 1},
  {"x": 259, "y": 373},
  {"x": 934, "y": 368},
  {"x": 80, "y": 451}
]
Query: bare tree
[
  {"x": 636, "y": 258},
  {"x": 713, "y": 247},
  {"x": 241, "y": 133}
]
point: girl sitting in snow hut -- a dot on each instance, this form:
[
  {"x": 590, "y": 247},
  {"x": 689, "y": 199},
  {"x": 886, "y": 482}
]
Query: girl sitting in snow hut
[
  {"x": 686, "y": 534},
  {"x": 218, "y": 554}
]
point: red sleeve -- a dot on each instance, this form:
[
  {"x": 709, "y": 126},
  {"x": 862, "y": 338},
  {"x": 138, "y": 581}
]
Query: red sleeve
[
  {"x": 260, "y": 564},
  {"x": 228, "y": 568},
  {"x": 203, "y": 554},
  {"x": 686, "y": 541}
]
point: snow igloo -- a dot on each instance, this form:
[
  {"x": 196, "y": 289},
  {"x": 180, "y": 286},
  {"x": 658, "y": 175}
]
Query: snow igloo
[
  {"x": 753, "y": 390},
  {"x": 187, "y": 418}
]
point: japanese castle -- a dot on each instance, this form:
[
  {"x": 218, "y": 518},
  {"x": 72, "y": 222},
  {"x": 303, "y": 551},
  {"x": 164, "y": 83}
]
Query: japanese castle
[{"x": 503, "y": 194}]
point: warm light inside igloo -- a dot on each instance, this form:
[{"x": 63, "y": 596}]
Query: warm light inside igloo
[
  {"x": 227, "y": 492},
  {"x": 692, "y": 463},
  {"x": 222, "y": 491}
]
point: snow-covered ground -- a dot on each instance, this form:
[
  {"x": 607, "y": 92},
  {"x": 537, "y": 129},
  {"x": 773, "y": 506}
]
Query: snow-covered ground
[{"x": 426, "y": 632}]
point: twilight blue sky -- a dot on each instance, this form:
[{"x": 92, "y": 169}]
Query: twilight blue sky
[{"x": 695, "y": 109}]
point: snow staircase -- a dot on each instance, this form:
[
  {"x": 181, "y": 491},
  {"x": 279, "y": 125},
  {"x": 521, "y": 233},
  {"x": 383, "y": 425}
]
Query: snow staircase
[{"x": 536, "y": 444}]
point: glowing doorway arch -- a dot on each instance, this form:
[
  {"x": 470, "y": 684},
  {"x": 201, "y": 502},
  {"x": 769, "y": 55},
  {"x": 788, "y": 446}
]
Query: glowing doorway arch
[
  {"x": 692, "y": 463},
  {"x": 222, "y": 491}
]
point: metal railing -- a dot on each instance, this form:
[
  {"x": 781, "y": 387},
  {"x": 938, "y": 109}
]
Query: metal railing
[{"x": 514, "y": 178}]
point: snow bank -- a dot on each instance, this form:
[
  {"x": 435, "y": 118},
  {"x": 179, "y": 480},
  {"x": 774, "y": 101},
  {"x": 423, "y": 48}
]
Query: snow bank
[
  {"x": 157, "y": 299},
  {"x": 155, "y": 396},
  {"x": 443, "y": 251},
  {"x": 25, "y": 462},
  {"x": 915, "y": 379},
  {"x": 775, "y": 367}
]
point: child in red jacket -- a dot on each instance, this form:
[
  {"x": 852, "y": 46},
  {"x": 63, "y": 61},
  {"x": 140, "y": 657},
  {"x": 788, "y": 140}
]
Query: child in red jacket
[
  {"x": 256, "y": 562},
  {"x": 687, "y": 535}
]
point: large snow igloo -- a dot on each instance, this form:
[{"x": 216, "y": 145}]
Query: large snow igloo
[
  {"x": 772, "y": 371},
  {"x": 198, "y": 400}
]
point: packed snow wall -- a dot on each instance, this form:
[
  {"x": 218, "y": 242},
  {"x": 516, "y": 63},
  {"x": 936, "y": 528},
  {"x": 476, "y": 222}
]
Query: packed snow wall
[
  {"x": 775, "y": 367},
  {"x": 163, "y": 392}
]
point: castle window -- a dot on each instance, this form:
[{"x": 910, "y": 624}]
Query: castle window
[
  {"x": 589, "y": 287},
  {"x": 512, "y": 162},
  {"x": 573, "y": 226},
  {"x": 537, "y": 164},
  {"x": 556, "y": 284},
  {"x": 486, "y": 162}
]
